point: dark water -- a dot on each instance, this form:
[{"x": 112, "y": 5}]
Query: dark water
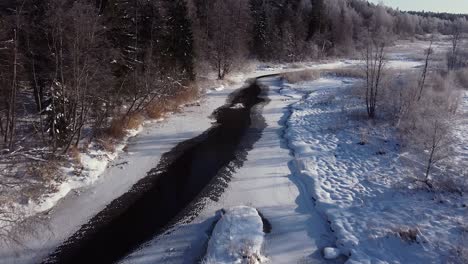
[{"x": 195, "y": 169}]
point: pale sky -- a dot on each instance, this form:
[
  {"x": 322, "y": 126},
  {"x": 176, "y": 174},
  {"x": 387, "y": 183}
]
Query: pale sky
[{"x": 449, "y": 6}]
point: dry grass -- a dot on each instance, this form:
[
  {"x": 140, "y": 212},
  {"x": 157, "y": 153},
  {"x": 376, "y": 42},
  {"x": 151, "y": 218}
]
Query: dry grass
[
  {"x": 116, "y": 128},
  {"x": 134, "y": 121},
  {"x": 184, "y": 96},
  {"x": 301, "y": 76},
  {"x": 44, "y": 171},
  {"x": 160, "y": 108},
  {"x": 156, "y": 110},
  {"x": 119, "y": 126},
  {"x": 74, "y": 154},
  {"x": 107, "y": 143}
]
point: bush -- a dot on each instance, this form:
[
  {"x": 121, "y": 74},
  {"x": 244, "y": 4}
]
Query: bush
[
  {"x": 116, "y": 128},
  {"x": 156, "y": 110},
  {"x": 134, "y": 121},
  {"x": 186, "y": 95},
  {"x": 119, "y": 126}
]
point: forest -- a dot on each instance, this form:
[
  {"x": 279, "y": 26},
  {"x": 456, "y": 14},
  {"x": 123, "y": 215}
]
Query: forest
[{"x": 72, "y": 69}]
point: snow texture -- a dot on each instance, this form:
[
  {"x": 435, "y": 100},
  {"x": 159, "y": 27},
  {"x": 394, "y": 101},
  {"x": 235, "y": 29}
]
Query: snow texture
[{"x": 360, "y": 188}]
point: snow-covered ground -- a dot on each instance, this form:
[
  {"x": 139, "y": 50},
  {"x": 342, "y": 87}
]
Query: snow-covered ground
[{"x": 363, "y": 189}]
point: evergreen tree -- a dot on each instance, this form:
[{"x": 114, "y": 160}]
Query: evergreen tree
[
  {"x": 179, "y": 49},
  {"x": 317, "y": 19},
  {"x": 38, "y": 58},
  {"x": 260, "y": 38}
]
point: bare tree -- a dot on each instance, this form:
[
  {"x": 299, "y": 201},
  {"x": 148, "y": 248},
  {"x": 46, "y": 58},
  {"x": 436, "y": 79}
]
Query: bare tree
[
  {"x": 458, "y": 27},
  {"x": 435, "y": 143},
  {"x": 10, "y": 77},
  {"x": 422, "y": 81},
  {"x": 227, "y": 35},
  {"x": 77, "y": 48},
  {"x": 374, "y": 58}
]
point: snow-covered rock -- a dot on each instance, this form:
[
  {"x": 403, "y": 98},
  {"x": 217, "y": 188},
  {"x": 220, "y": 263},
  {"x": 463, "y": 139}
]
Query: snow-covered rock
[
  {"x": 238, "y": 106},
  {"x": 331, "y": 253},
  {"x": 237, "y": 238}
]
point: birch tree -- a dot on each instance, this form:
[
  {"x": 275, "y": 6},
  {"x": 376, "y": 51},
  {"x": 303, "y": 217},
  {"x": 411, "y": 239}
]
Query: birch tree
[{"x": 375, "y": 60}]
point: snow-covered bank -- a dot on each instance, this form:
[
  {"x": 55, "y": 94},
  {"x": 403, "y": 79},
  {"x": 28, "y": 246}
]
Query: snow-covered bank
[
  {"x": 111, "y": 177},
  {"x": 353, "y": 171},
  {"x": 237, "y": 238}
]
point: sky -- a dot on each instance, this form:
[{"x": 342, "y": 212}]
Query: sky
[{"x": 449, "y": 6}]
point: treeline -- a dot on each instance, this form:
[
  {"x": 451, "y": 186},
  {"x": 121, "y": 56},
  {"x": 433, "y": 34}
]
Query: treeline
[
  {"x": 443, "y": 15},
  {"x": 76, "y": 64}
]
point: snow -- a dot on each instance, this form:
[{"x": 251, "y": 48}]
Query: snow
[
  {"x": 237, "y": 238},
  {"x": 331, "y": 253},
  {"x": 238, "y": 106},
  {"x": 94, "y": 163},
  {"x": 364, "y": 195}
]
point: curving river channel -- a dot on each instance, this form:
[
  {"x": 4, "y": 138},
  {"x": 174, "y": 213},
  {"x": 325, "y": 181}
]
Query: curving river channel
[{"x": 187, "y": 175}]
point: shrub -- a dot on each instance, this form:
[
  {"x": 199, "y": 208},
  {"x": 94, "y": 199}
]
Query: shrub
[
  {"x": 183, "y": 96},
  {"x": 156, "y": 110},
  {"x": 44, "y": 171},
  {"x": 116, "y": 128},
  {"x": 134, "y": 121},
  {"x": 74, "y": 154}
]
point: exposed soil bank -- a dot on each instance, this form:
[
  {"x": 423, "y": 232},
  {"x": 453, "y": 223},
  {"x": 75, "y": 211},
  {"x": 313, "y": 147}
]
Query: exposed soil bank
[{"x": 175, "y": 189}]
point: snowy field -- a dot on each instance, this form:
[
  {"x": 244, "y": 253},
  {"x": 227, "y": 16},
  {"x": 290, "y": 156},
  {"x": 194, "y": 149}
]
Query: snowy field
[{"x": 363, "y": 189}]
